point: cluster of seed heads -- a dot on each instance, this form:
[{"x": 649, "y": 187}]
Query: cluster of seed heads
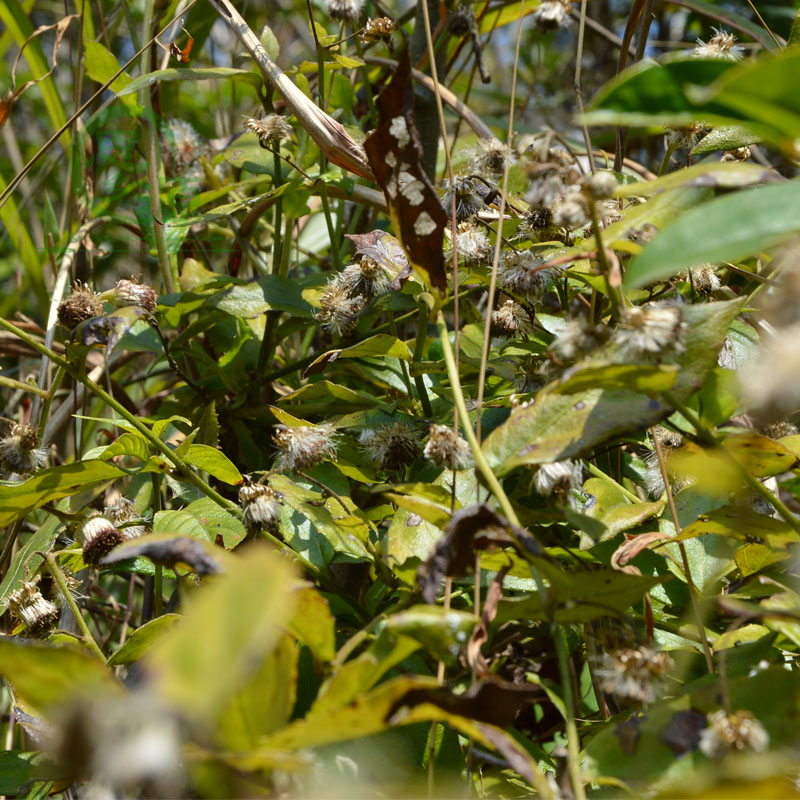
[
  {"x": 345, "y": 10},
  {"x": 20, "y": 453},
  {"x": 29, "y": 606},
  {"x": 635, "y": 672},
  {"x": 732, "y": 733},
  {"x": 392, "y": 447},
  {"x": 304, "y": 447},
  {"x": 270, "y": 129},
  {"x": 261, "y": 507},
  {"x": 445, "y": 448}
]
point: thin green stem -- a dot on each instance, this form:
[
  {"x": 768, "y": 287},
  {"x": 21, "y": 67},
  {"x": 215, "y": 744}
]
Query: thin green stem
[
  {"x": 48, "y": 402},
  {"x": 419, "y": 350},
  {"x": 613, "y": 292},
  {"x": 403, "y": 365},
  {"x": 58, "y": 577},
  {"x": 573, "y": 742},
  {"x": 598, "y": 473},
  {"x": 158, "y": 577},
  {"x": 277, "y": 181}
]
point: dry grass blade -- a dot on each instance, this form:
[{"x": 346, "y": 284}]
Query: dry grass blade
[{"x": 338, "y": 146}]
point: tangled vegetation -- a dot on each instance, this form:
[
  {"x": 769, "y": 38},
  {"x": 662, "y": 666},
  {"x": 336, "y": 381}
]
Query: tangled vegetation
[{"x": 340, "y": 457}]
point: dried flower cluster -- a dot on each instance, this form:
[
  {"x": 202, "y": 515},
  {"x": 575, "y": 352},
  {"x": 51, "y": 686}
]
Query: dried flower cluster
[
  {"x": 635, "y": 672},
  {"x": 261, "y": 507},
  {"x": 304, "y": 447},
  {"x": 729, "y": 733},
  {"x": 393, "y": 446},
  {"x": 445, "y": 448},
  {"x": 28, "y": 605},
  {"x": 20, "y": 453},
  {"x": 270, "y": 129},
  {"x": 81, "y": 304},
  {"x": 98, "y": 537},
  {"x": 721, "y": 45}
]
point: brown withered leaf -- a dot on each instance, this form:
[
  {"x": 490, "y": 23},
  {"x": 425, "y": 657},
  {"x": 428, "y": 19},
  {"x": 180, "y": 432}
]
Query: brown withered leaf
[
  {"x": 494, "y": 702},
  {"x": 474, "y": 528},
  {"x": 474, "y": 656},
  {"x": 386, "y": 250},
  {"x": 394, "y": 152},
  {"x": 168, "y": 553},
  {"x": 632, "y": 546}
]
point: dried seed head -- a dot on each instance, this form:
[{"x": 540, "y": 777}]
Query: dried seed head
[
  {"x": 510, "y": 320},
  {"x": 82, "y": 304},
  {"x": 726, "y": 733},
  {"x": 461, "y": 21},
  {"x": 29, "y": 606},
  {"x": 551, "y": 14},
  {"x": 303, "y": 448},
  {"x": 19, "y": 451},
  {"x": 521, "y": 273},
  {"x": 338, "y": 312},
  {"x": 447, "y": 449},
  {"x": 132, "y": 293},
  {"x": 119, "y": 513},
  {"x": 183, "y": 145},
  {"x": 344, "y": 10},
  {"x": 468, "y": 201},
  {"x": 560, "y": 479},
  {"x": 261, "y": 507},
  {"x": 721, "y": 45},
  {"x": 653, "y": 331},
  {"x": 366, "y": 279},
  {"x": 770, "y": 382},
  {"x": 535, "y": 374},
  {"x": 73, "y": 587},
  {"x": 546, "y": 190},
  {"x": 777, "y": 430},
  {"x": 98, "y": 537},
  {"x": 653, "y": 479},
  {"x": 392, "y": 446},
  {"x": 742, "y": 153},
  {"x": 269, "y": 130},
  {"x": 600, "y": 186},
  {"x": 635, "y": 672},
  {"x": 578, "y": 337},
  {"x": 684, "y": 137},
  {"x": 572, "y": 212},
  {"x": 490, "y": 158},
  {"x": 472, "y": 242},
  {"x": 705, "y": 279},
  {"x": 378, "y": 29}
]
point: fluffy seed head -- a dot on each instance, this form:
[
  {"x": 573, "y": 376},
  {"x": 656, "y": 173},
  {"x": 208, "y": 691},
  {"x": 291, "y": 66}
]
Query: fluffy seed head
[
  {"x": 558, "y": 478},
  {"x": 600, "y": 186},
  {"x": 468, "y": 201},
  {"x": 721, "y": 45},
  {"x": 269, "y": 130},
  {"x": 29, "y": 606},
  {"x": 338, "y": 312},
  {"x": 183, "y": 145},
  {"x": 378, "y": 29},
  {"x": 99, "y": 537},
  {"x": 490, "y": 158},
  {"x": 510, "y": 320},
  {"x": 546, "y": 190},
  {"x": 19, "y": 451},
  {"x": 303, "y": 448},
  {"x": 577, "y": 337},
  {"x": 366, "y": 279},
  {"x": 771, "y": 382},
  {"x": 551, "y": 14},
  {"x": 521, "y": 273},
  {"x": 726, "y": 733},
  {"x": 705, "y": 279},
  {"x": 742, "y": 153},
  {"x": 119, "y": 513},
  {"x": 461, "y": 21},
  {"x": 344, "y": 10},
  {"x": 447, "y": 449},
  {"x": 132, "y": 293},
  {"x": 635, "y": 672},
  {"x": 392, "y": 447},
  {"x": 684, "y": 137},
  {"x": 653, "y": 479},
  {"x": 261, "y": 507},
  {"x": 82, "y": 304},
  {"x": 572, "y": 212},
  {"x": 653, "y": 331},
  {"x": 472, "y": 242}
]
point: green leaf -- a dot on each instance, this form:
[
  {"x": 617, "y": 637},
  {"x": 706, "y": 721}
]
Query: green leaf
[
  {"x": 442, "y": 632},
  {"x": 203, "y": 519},
  {"x": 51, "y": 484},
  {"x": 559, "y": 426},
  {"x": 128, "y": 444},
  {"x": 381, "y": 345},
  {"x": 724, "y": 137},
  {"x": 326, "y": 397},
  {"x": 313, "y": 624},
  {"x": 190, "y": 74},
  {"x": 18, "y": 770},
  {"x": 758, "y": 454},
  {"x": 27, "y": 560},
  {"x": 728, "y": 228},
  {"x": 101, "y": 64},
  {"x": 161, "y": 425},
  {"x": 644, "y": 378},
  {"x": 614, "y": 510},
  {"x": 742, "y": 523},
  {"x": 232, "y": 623},
  {"x": 213, "y": 461},
  {"x": 142, "y": 640},
  {"x": 45, "y": 676}
]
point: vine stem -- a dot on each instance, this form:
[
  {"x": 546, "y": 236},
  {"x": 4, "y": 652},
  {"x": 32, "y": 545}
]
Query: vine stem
[
  {"x": 58, "y": 577},
  {"x": 598, "y": 473}
]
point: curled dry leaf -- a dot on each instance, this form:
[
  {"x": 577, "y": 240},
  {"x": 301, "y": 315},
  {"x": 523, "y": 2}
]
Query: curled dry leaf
[
  {"x": 168, "y": 553},
  {"x": 479, "y": 636}
]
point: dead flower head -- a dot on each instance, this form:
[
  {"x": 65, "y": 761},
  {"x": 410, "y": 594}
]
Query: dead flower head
[
  {"x": 600, "y": 186},
  {"x": 472, "y": 242},
  {"x": 304, "y": 447},
  {"x": 559, "y": 480},
  {"x": 705, "y": 279},
  {"x": 521, "y": 273},
  {"x": 578, "y": 337},
  {"x": 379, "y": 29},
  {"x": 573, "y": 211},
  {"x": 737, "y": 732},
  {"x": 551, "y": 14},
  {"x": 132, "y": 293},
  {"x": 98, "y": 537},
  {"x": 183, "y": 146},
  {"x": 653, "y": 331},
  {"x": 489, "y": 159},
  {"x": 445, "y": 448},
  {"x": 468, "y": 201},
  {"x": 392, "y": 446},
  {"x": 366, "y": 278},
  {"x": 668, "y": 440},
  {"x": 29, "y": 606},
  {"x": 510, "y": 320},
  {"x": 269, "y": 129},
  {"x": 770, "y": 381},
  {"x": 20, "y": 453},
  {"x": 684, "y": 137},
  {"x": 82, "y": 304},
  {"x": 721, "y": 45},
  {"x": 122, "y": 512},
  {"x": 261, "y": 507},
  {"x": 636, "y": 672},
  {"x": 344, "y": 10},
  {"x": 339, "y": 310}
]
